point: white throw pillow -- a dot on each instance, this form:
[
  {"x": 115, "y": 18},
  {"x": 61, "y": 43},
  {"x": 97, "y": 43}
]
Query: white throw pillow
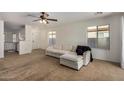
[{"x": 73, "y": 48}]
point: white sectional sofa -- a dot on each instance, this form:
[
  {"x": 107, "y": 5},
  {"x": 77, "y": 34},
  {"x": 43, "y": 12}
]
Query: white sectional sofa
[{"x": 68, "y": 56}]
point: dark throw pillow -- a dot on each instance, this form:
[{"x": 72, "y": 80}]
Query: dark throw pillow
[{"x": 79, "y": 52}]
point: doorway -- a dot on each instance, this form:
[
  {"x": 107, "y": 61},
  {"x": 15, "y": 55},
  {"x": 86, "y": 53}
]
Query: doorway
[
  {"x": 13, "y": 34},
  {"x": 36, "y": 39}
]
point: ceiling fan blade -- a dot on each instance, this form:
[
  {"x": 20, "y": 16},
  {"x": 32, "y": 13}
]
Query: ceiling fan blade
[
  {"x": 36, "y": 20},
  {"x": 52, "y": 19},
  {"x": 32, "y": 16}
]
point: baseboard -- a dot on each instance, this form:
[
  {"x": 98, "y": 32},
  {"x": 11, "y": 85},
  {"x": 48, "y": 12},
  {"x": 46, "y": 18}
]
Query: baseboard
[{"x": 107, "y": 60}]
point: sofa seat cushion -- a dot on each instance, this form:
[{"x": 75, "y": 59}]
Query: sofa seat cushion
[
  {"x": 63, "y": 51},
  {"x": 58, "y": 51},
  {"x": 72, "y": 57},
  {"x": 72, "y": 53}
]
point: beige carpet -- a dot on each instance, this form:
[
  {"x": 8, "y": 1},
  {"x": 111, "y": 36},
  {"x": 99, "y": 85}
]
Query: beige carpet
[{"x": 37, "y": 66}]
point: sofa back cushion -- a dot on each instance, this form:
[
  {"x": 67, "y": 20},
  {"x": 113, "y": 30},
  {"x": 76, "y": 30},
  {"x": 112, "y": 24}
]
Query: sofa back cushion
[
  {"x": 65, "y": 47},
  {"x": 57, "y": 47}
]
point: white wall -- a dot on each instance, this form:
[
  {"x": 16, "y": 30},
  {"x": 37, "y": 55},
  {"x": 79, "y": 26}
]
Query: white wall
[
  {"x": 36, "y": 37},
  {"x": 76, "y": 34},
  {"x": 122, "y": 57},
  {"x": 25, "y": 46},
  {"x": 71, "y": 34},
  {"x": 1, "y": 39},
  {"x": 44, "y": 39},
  {"x": 114, "y": 54},
  {"x": 39, "y": 39}
]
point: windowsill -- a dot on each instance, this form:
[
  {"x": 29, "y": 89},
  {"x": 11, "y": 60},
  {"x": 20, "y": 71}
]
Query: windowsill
[{"x": 101, "y": 49}]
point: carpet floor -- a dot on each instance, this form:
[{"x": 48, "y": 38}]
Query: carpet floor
[{"x": 38, "y": 67}]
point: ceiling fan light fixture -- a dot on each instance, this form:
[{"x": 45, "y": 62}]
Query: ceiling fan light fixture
[
  {"x": 44, "y": 21},
  {"x": 41, "y": 21}
]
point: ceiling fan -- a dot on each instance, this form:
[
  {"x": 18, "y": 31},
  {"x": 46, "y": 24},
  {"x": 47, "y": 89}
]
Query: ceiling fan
[{"x": 43, "y": 18}]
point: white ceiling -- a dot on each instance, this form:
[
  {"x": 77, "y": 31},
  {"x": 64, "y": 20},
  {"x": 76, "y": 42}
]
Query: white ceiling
[{"x": 21, "y": 18}]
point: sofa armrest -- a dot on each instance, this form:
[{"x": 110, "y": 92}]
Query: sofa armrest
[
  {"x": 86, "y": 57},
  {"x": 47, "y": 49}
]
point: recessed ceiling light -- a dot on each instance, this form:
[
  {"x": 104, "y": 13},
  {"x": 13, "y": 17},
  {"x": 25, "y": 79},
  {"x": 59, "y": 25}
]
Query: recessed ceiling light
[{"x": 98, "y": 13}]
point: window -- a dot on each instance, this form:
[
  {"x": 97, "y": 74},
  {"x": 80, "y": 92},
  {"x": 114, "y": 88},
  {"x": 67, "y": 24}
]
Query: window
[
  {"x": 14, "y": 37},
  {"x": 99, "y": 37},
  {"x": 51, "y": 38}
]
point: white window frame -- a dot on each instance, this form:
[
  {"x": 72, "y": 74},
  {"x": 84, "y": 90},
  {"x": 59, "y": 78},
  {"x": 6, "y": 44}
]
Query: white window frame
[
  {"x": 52, "y": 33},
  {"x": 97, "y": 35}
]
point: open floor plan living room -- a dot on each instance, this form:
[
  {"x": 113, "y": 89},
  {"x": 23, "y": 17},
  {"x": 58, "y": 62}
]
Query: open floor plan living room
[{"x": 61, "y": 46}]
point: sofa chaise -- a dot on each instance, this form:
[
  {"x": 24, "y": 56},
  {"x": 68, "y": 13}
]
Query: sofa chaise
[{"x": 68, "y": 56}]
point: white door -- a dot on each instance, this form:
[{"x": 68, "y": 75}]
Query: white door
[
  {"x": 36, "y": 39},
  {"x": 1, "y": 39}
]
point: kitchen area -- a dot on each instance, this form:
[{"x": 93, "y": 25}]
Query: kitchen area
[{"x": 13, "y": 34}]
